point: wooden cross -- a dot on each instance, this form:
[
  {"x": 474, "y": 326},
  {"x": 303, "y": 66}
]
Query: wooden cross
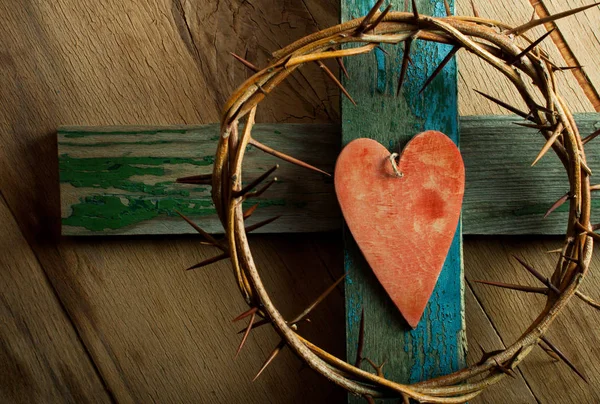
[{"x": 117, "y": 181}]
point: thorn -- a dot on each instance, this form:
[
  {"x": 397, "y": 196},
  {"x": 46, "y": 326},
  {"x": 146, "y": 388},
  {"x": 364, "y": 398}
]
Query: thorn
[
  {"x": 405, "y": 399},
  {"x": 209, "y": 261},
  {"x": 245, "y": 314},
  {"x": 208, "y": 237},
  {"x": 527, "y": 26},
  {"x": 262, "y": 190},
  {"x": 563, "y": 68},
  {"x": 361, "y": 339},
  {"x": 438, "y": 69},
  {"x": 283, "y": 156},
  {"x": 588, "y": 300},
  {"x": 549, "y": 351},
  {"x": 335, "y": 80},
  {"x": 405, "y": 59},
  {"x": 340, "y": 62},
  {"x": 378, "y": 369},
  {"x": 245, "y": 337},
  {"x": 533, "y": 15},
  {"x": 487, "y": 355},
  {"x": 272, "y": 356},
  {"x": 520, "y": 288},
  {"x": 318, "y": 300},
  {"x": 538, "y": 275},
  {"x": 448, "y": 9},
  {"x": 564, "y": 358},
  {"x": 245, "y": 62},
  {"x": 255, "y": 183},
  {"x": 557, "y": 132},
  {"x": 365, "y": 21},
  {"x": 504, "y": 105},
  {"x": 590, "y": 137},
  {"x": 258, "y": 225},
  {"x": 475, "y": 13},
  {"x": 504, "y": 369},
  {"x": 260, "y": 323},
  {"x": 415, "y": 11},
  {"x": 204, "y": 179},
  {"x": 525, "y": 51},
  {"x": 383, "y": 50},
  {"x": 557, "y": 204},
  {"x": 250, "y": 211},
  {"x": 380, "y": 18}
]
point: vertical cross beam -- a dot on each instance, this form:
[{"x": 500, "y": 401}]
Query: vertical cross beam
[{"x": 437, "y": 345}]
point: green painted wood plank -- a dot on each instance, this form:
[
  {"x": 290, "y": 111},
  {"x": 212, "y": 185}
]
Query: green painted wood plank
[
  {"x": 120, "y": 180},
  {"x": 503, "y": 196},
  {"x": 438, "y": 345}
]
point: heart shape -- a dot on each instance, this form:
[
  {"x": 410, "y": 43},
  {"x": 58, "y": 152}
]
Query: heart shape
[{"x": 403, "y": 225}]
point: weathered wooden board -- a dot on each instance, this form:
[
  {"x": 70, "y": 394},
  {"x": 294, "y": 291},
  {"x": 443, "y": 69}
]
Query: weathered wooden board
[
  {"x": 438, "y": 344},
  {"x": 122, "y": 180},
  {"x": 118, "y": 182}
]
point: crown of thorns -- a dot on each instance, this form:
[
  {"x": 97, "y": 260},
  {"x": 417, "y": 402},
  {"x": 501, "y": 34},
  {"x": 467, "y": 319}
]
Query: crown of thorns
[{"x": 493, "y": 42}]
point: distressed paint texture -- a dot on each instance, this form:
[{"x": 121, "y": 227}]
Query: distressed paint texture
[
  {"x": 122, "y": 180},
  {"x": 437, "y": 345}
]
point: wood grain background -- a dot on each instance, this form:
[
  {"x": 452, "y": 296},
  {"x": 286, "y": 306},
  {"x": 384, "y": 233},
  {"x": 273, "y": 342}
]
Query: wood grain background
[{"x": 119, "y": 320}]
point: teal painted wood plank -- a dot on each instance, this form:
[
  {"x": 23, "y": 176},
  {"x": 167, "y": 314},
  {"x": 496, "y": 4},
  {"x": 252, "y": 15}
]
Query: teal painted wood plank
[
  {"x": 437, "y": 346},
  {"x": 119, "y": 181}
]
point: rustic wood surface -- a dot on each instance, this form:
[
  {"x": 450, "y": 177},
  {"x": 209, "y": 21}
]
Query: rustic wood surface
[
  {"x": 120, "y": 319},
  {"x": 120, "y": 180}
]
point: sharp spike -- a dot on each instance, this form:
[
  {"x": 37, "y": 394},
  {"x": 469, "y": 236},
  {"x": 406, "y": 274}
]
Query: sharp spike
[
  {"x": 557, "y": 204},
  {"x": 211, "y": 240},
  {"x": 588, "y": 300},
  {"x": 361, "y": 339},
  {"x": 527, "y": 26},
  {"x": 369, "y": 399},
  {"x": 525, "y": 51},
  {"x": 504, "y": 105},
  {"x": 283, "y": 156},
  {"x": 549, "y": 351},
  {"x": 520, "y": 288},
  {"x": 330, "y": 74},
  {"x": 209, "y": 261},
  {"x": 365, "y": 22},
  {"x": 538, "y": 275},
  {"x": 438, "y": 69},
  {"x": 590, "y": 137},
  {"x": 405, "y": 59},
  {"x": 590, "y": 233},
  {"x": 405, "y": 399},
  {"x": 487, "y": 355},
  {"x": 564, "y": 358},
  {"x": 318, "y": 300},
  {"x": 340, "y": 62},
  {"x": 272, "y": 356},
  {"x": 255, "y": 183},
  {"x": 557, "y": 132},
  {"x": 245, "y": 314},
  {"x": 475, "y": 12},
  {"x": 448, "y": 9},
  {"x": 378, "y": 369},
  {"x": 245, "y": 62},
  {"x": 245, "y": 337},
  {"x": 533, "y": 15},
  {"x": 504, "y": 370},
  {"x": 256, "y": 325},
  {"x": 563, "y": 68},
  {"x": 262, "y": 190},
  {"x": 250, "y": 211},
  {"x": 204, "y": 179},
  {"x": 595, "y": 187},
  {"x": 383, "y": 50},
  {"x": 258, "y": 225},
  {"x": 415, "y": 10},
  {"x": 380, "y": 18}
]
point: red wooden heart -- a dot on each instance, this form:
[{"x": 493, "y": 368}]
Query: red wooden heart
[{"x": 403, "y": 225}]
